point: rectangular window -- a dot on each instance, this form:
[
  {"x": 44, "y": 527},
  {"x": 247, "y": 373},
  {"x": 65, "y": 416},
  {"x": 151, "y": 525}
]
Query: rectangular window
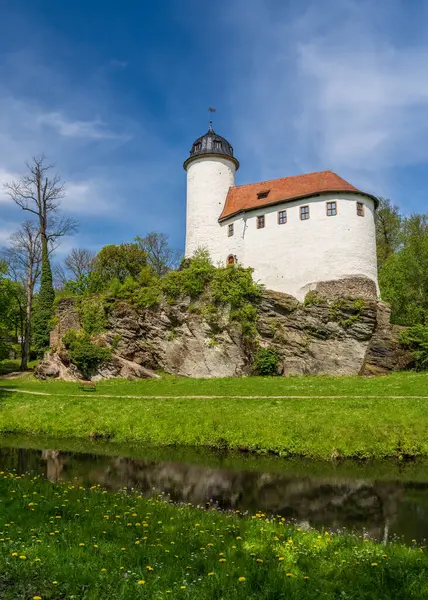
[
  {"x": 360, "y": 209},
  {"x": 331, "y": 209},
  {"x": 230, "y": 230},
  {"x": 304, "y": 213},
  {"x": 260, "y": 222},
  {"x": 264, "y": 194},
  {"x": 282, "y": 217}
]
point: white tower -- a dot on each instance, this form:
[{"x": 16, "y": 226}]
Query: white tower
[{"x": 211, "y": 169}]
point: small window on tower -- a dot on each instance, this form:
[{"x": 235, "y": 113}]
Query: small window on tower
[
  {"x": 282, "y": 217},
  {"x": 360, "y": 209},
  {"x": 217, "y": 144},
  {"x": 331, "y": 209},
  {"x": 197, "y": 147},
  {"x": 230, "y": 259},
  {"x": 304, "y": 213},
  {"x": 264, "y": 194},
  {"x": 230, "y": 230},
  {"x": 260, "y": 221}
]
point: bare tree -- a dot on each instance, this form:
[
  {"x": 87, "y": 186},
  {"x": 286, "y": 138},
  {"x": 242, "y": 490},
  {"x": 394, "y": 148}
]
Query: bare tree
[
  {"x": 80, "y": 262},
  {"x": 40, "y": 195},
  {"x": 160, "y": 256},
  {"x": 59, "y": 276}
]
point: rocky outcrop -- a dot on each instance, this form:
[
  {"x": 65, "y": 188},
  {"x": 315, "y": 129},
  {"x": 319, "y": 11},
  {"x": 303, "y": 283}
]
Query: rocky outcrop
[{"x": 335, "y": 336}]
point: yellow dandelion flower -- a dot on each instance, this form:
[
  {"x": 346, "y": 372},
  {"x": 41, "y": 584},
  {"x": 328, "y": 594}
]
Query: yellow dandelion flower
[
  {"x": 241, "y": 579},
  {"x": 222, "y": 560},
  {"x": 305, "y": 577},
  {"x": 123, "y": 548},
  {"x": 374, "y": 564},
  {"x": 149, "y": 568},
  {"x": 22, "y": 557},
  {"x": 103, "y": 570},
  {"x": 14, "y": 553},
  {"x": 37, "y": 598},
  {"x": 209, "y": 574},
  {"x": 137, "y": 542},
  {"x": 141, "y": 582},
  {"x": 259, "y": 560},
  {"x": 182, "y": 587},
  {"x": 54, "y": 582},
  {"x": 290, "y": 575},
  {"x": 280, "y": 558},
  {"x": 81, "y": 545},
  {"x": 384, "y": 556}
]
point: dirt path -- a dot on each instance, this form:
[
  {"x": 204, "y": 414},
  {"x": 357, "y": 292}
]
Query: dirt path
[{"x": 215, "y": 397}]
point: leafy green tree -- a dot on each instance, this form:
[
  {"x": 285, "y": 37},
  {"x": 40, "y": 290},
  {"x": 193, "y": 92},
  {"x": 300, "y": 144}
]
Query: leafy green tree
[
  {"x": 120, "y": 262},
  {"x": 6, "y": 309},
  {"x": 388, "y": 230},
  {"x": 38, "y": 193},
  {"x": 404, "y": 277}
]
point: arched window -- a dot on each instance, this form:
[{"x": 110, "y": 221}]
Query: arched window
[{"x": 230, "y": 259}]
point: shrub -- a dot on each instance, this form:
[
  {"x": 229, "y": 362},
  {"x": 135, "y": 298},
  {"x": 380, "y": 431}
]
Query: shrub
[
  {"x": 84, "y": 353},
  {"x": 266, "y": 362},
  {"x": 416, "y": 339},
  {"x": 92, "y": 315}
]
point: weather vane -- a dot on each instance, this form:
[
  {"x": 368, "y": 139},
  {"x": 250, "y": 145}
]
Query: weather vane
[{"x": 211, "y": 110}]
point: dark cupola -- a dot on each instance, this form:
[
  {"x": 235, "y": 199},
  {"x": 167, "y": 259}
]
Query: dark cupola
[{"x": 211, "y": 144}]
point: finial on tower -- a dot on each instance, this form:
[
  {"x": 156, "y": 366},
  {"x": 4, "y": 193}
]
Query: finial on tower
[{"x": 211, "y": 110}]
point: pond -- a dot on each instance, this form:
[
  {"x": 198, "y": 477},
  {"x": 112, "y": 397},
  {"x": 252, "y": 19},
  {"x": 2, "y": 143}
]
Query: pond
[{"x": 382, "y": 499}]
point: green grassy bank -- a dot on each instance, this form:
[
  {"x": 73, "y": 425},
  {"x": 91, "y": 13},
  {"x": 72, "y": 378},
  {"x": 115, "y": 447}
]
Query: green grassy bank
[
  {"x": 59, "y": 541},
  {"x": 357, "y": 426}
]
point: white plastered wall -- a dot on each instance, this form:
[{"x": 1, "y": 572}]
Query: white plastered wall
[
  {"x": 294, "y": 256},
  {"x": 208, "y": 181}
]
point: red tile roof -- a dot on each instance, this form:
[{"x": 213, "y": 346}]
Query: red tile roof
[{"x": 242, "y": 198}]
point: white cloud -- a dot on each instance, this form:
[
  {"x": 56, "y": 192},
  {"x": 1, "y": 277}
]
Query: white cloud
[
  {"x": 333, "y": 89},
  {"x": 94, "y": 130}
]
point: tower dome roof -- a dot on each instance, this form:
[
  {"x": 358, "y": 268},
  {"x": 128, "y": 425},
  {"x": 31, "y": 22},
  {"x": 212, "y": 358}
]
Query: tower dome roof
[{"x": 211, "y": 144}]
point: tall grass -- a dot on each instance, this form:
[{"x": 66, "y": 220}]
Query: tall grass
[{"x": 64, "y": 541}]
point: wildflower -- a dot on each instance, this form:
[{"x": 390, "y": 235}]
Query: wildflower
[
  {"x": 259, "y": 560},
  {"x": 22, "y": 557},
  {"x": 209, "y": 574},
  {"x": 81, "y": 545},
  {"x": 222, "y": 560},
  {"x": 305, "y": 577},
  {"x": 149, "y": 568},
  {"x": 241, "y": 579},
  {"x": 280, "y": 558},
  {"x": 123, "y": 548},
  {"x": 14, "y": 553},
  {"x": 384, "y": 556},
  {"x": 182, "y": 587},
  {"x": 137, "y": 542},
  {"x": 37, "y": 598},
  {"x": 374, "y": 564},
  {"x": 141, "y": 582},
  {"x": 54, "y": 582},
  {"x": 290, "y": 575},
  {"x": 103, "y": 570}
]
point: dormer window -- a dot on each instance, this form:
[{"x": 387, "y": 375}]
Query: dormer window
[
  {"x": 261, "y": 195},
  {"x": 217, "y": 144},
  {"x": 197, "y": 147}
]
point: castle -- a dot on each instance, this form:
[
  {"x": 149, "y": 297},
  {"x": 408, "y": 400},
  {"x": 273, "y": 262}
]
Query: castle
[{"x": 300, "y": 233}]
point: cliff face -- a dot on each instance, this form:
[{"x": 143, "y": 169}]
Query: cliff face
[{"x": 337, "y": 336}]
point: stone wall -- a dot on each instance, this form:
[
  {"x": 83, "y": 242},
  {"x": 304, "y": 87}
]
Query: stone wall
[
  {"x": 67, "y": 318},
  {"x": 362, "y": 287}
]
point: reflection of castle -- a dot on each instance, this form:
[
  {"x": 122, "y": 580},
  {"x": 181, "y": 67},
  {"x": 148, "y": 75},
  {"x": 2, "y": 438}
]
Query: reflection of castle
[{"x": 324, "y": 501}]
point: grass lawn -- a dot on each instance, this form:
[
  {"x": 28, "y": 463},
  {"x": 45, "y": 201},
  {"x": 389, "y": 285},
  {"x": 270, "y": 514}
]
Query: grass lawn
[
  {"x": 61, "y": 541},
  {"x": 379, "y": 426}
]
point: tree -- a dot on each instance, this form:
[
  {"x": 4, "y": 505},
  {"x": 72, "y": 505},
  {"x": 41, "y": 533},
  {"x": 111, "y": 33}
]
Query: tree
[
  {"x": 80, "y": 262},
  {"x": 161, "y": 258},
  {"x": 120, "y": 262},
  {"x": 24, "y": 260},
  {"x": 40, "y": 195},
  {"x": 404, "y": 276},
  {"x": 388, "y": 230},
  {"x": 6, "y": 303}
]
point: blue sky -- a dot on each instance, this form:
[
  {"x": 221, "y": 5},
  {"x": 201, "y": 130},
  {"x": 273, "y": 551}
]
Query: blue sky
[{"x": 116, "y": 92}]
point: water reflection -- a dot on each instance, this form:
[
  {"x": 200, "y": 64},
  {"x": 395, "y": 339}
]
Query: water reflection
[{"x": 382, "y": 508}]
